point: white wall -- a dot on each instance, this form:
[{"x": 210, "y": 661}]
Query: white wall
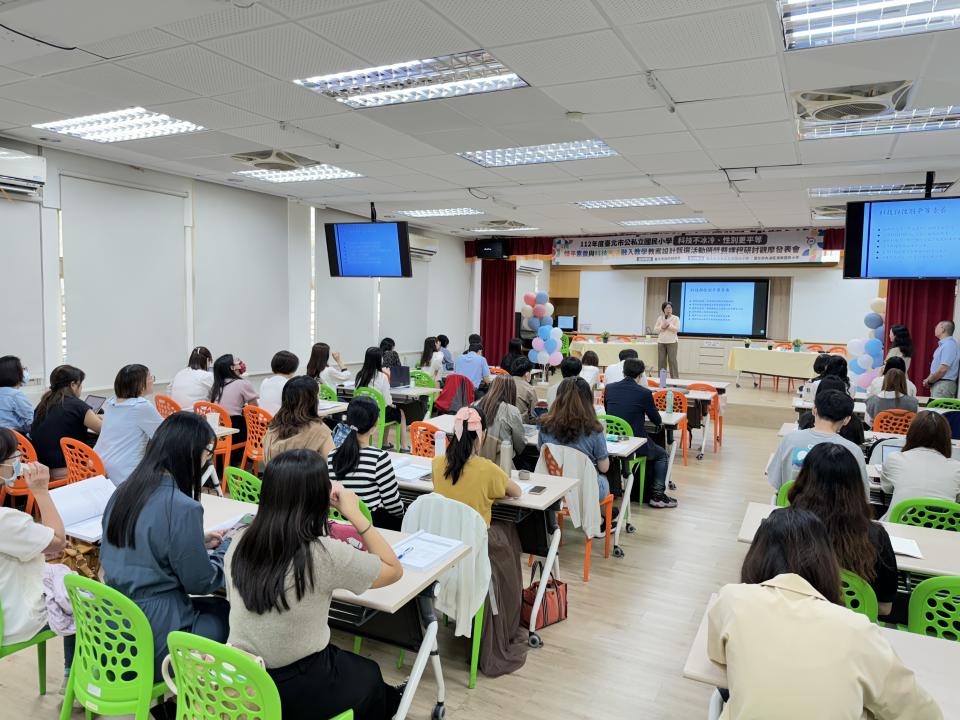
[
  {"x": 612, "y": 301},
  {"x": 21, "y": 291},
  {"x": 826, "y": 308}
]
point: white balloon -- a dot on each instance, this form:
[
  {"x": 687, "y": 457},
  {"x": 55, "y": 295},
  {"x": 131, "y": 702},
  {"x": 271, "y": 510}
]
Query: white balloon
[
  {"x": 878, "y": 305},
  {"x": 556, "y": 333},
  {"x": 526, "y": 311},
  {"x": 543, "y": 357},
  {"x": 865, "y": 361},
  {"x": 548, "y": 308},
  {"x": 856, "y": 347}
]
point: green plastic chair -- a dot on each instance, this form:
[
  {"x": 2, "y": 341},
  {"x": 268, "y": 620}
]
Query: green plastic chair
[
  {"x": 782, "y": 499},
  {"x": 619, "y": 426},
  {"x": 334, "y": 514},
  {"x": 328, "y": 393},
  {"x": 565, "y": 345},
  {"x": 422, "y": 379},
  {"x": 935, "y": 608},
  {"x": 40, "y": 640},
  {"x": 948, "y": 403},
  {"x": 928, "y": 513},
  {"x": 242, "y": 485},
  {"x": 112, "y": 671},
  {"x": 210, "y": 679},
  {"x": 382, "y": 423},
  {"x": 858, "y": 595}
]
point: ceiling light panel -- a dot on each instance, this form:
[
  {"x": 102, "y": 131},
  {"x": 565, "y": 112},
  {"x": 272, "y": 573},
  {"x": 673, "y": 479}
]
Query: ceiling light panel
[
  {"x": 538, "y": 154},
  {"x": 814, "y": 23},
  {"x": 868, "y": 190},
  {"x": 497, "y": 231},
  {"x": 628, "y": 202},
  {"x": 440, "y": 212},
  {"x": 129, "y": 124},
  {"x": 667, "y": 221},
  {"x": 446, "y": 76},
  {"x": 313, "y": 172},
  {"x": 925, "y": 120}
]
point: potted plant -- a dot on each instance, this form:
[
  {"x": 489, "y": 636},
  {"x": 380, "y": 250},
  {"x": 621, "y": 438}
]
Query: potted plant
[
  {"x": 797, "y": 344},
  {"x": 746, "y": 342},
  {"x": 605, "y": 336},
  {"x": 769, "y": 345}
]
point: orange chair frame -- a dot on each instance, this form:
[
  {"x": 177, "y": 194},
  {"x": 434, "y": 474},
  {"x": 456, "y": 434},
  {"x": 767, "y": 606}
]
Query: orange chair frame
[
  {"x": 19, "y": 488},
  {"x": 224, "y": 446},
  {"x": 838, "y": 350},
  {"x": 82, "y": 460},
  {"x": 423, "y": 439},
  {"x": 258, "y": 420},
  {"x": 578, "y": 338},
  {"x": 714, "y": 412},
  {"x": 166, "y": 405},
  {"x": 624, "y": 338},
  {"x": 498, "y": 371},
  {"x": 893, "y": 421},
  {"x": 814, "y": 348},
  {"x": 679, "y": 405}
]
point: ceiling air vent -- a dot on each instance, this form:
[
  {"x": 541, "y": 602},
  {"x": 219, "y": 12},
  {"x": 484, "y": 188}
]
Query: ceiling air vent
[
  {"x": 855, "y": 102},
  {"x": 277, "y": 160},
  {"x": 501, "y": 225},
  {"x": 829, "y": 212}
]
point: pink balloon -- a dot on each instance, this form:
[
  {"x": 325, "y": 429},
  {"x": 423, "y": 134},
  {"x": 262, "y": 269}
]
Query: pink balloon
[
  {"x": 530, "y": 299},
  {"x": 556, "y": 358},
  {"x": 538, "y": 344},
  {"x": 539, "y": 311},
  {"x": 863, "y": 381}
]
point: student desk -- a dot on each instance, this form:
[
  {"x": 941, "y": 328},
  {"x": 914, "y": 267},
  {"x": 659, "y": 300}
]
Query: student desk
[
  {"x": 861, "y": 396},
  {"x": 933, "y": 661},
  {"x": 702, "y": 397},
  {"x": 685, "y": 383},
  {"x": 940, "y": 548},
  {"x": 400, "y": 614},
  {"x": 801, "y": 406},
  {"x": 210, "y": 476},
  {"x": 326, "y": 408},
  {"x": 404, "y": 392}
]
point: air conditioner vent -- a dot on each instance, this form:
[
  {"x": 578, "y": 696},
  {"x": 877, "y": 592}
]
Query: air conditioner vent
[
  {"x": 854, "y": 102},
  {"x": 278, "y": 160}
]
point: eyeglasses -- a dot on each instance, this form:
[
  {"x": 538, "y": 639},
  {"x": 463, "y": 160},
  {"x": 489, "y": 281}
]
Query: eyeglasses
[
  {"x": 210, "y": 448},
  {"x": 13, "y": 458}
]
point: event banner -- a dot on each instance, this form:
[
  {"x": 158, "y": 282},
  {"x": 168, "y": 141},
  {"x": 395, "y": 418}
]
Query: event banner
[{"x": 711, "y": 248}]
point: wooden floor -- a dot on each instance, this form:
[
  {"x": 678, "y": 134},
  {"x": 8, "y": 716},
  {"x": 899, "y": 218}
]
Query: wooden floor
[{"x": 621, "y": 651}]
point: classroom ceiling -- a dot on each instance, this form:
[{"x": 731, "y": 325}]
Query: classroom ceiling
[{"x": 729, "y": 151}]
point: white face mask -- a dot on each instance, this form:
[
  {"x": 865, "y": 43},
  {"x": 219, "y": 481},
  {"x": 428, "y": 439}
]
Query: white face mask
[
  {"x": 26, "y": 376},
  {"x": 17, "y": 472}
]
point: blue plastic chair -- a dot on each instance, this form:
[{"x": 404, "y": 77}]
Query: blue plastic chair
[{"x": 953, "y": 417}]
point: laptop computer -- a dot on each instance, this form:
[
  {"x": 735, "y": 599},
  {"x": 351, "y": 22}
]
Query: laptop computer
[
  {"x": 95, "y": 402},
  {"x": 400, "y": 376},
  {"x": 887, "y": 450}
]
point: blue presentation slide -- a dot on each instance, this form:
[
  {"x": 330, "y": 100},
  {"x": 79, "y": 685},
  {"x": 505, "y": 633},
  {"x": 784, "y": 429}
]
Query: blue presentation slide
[
  {"x": 368, "y": 250},
  {"x": 717, "y": 308},
  {"x": 911, "y": 239}
]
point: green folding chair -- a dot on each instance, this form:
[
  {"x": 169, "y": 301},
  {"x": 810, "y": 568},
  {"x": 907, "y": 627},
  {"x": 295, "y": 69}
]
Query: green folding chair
[
  {"x": 948, "y": 403},
  {"x": 328, "y": 393},
  {"x": 858, "y": 595},
  {"x": 928, "y": 513},
  {"x": 783, "y": 492},
  {"x": 424, "y": 380},
  {"x": 934, "y": 608},
  {"x": 112, "y": 670},
  {"x": 242, "y": 485},
  {"x": 40, "y": 640},
  {"x": 565, "y": 345},
  {"x": 619, "y": 426},
  {"x": 382, "y": 424}
]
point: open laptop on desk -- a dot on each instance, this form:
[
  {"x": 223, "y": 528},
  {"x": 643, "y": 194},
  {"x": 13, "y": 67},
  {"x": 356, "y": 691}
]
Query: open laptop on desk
[
  {"x": 95, "y": 402},
  {"x": 400, "y": 376}
]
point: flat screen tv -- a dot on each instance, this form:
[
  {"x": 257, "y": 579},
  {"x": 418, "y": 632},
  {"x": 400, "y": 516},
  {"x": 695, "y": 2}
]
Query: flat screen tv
[
  {"x": 720, "y": 308},
  {"x": 379, "y": 249},
  {"x": 917, "y": 238}
]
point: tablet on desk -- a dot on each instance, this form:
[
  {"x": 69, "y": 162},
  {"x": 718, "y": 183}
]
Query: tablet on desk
[{"x": 95, "y": 402}]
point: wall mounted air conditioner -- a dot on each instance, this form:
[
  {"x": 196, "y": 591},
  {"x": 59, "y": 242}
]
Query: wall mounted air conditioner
[
  {"x": 422, "y": 248},
  {"x": 21, "y": 173},
  {"x": 529, "y": 267}
]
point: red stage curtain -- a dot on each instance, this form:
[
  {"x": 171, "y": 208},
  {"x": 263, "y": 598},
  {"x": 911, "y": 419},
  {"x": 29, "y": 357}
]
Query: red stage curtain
[
  {"x": 498, "y": 287},
  {"x": 833, "y": 238},
  {"x": 920, "y": 305}
]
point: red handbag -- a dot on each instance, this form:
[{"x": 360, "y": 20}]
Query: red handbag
[{"x": 553, "y": 609}]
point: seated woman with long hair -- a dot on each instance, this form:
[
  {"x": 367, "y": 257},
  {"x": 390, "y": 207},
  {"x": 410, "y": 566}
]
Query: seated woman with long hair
[
  {"x": 62, "y": 414},
  {"x": 830, "y": 486},
  {"x": 505, "y": 421},
  {"x": 792, "y": 651},
  {"x": 281, "y": 574},
  {"x": 297, "y": 424},
  {"x": 894, "y": 395}
]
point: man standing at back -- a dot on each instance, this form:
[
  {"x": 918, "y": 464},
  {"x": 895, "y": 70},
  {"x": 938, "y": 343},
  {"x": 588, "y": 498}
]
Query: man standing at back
[
  {"x": 945, "y": 367},
  {"x": 631, "y": 401}
]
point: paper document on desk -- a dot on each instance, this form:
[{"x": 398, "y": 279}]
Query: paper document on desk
[
  {"x": 525, "y": 487},
  {"x": 327, "y": 405},
  {"x": 905, "y": 546},
  {"x": 409, "y": 471},
  {"x": 422, "y": 550},
  {"x": 81, "y": 505}
]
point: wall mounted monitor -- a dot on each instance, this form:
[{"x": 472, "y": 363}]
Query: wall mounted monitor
[{"x": 368, "y": 249}]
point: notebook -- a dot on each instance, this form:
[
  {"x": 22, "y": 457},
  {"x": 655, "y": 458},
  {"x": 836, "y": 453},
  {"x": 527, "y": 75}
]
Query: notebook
[
  {"x": 81, "y": 505},
  {"x": 404, "y": 469},
  {"x": 422, "y": 551},
  {"x": 905, "y": 546}
]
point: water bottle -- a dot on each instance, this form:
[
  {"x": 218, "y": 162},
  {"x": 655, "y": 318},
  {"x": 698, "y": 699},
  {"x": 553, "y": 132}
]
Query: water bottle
[
  {"x": 439, "y": 443},
  {"x": 663, "y": 378},
  {"x": 670, "y": 400},
  {"x": 506, "y": 457}
]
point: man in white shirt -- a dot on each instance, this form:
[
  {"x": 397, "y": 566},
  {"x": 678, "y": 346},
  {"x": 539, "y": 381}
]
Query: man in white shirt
[
  {"x": 614, "y": 373},
  {"x": 284, "y": 365},
  {"x": 569, "y": 367}
]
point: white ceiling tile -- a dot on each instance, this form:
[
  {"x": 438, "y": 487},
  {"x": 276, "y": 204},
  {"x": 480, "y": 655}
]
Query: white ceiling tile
[
  {"x": 625, "y": 93},
  {"x": 137, "y": 42},
  {"x": 283, "y": 101},
  {"x": 454, "y": 141},
  {"x": 474, "y": 176},
  {"x": 598, "y": 167},
  {"x": 735, "y": 34},
  {"x": 53, "y": 95},
  {"x": 721, "y": 80},
  {"x": 939, "y": 84},
  {"x": 54, "y": 62},
  {"x": 927, "y": 144},
  {"x": 201, "y": 144},
  {"x": 287, "y": 52},
  {"x": 124, "y": 87},
  {"x": 691, "y": 161},
  {"x": 784, "y": 131},
  {"x": 270, "y": 134},
  {"x": 525, "y": 174},
  {"x": 303, "y": 8},
  {"x": 210, "y": 114},
  {"x": 418, "y": 182},
  {"x": 498, "y": 22},
  {"x": 196, "y": 69},
  {"x": 735, "y": 111},
  {"x": 633, "y": 122},
  {"x": 844, "y": 149},
  {"x": 655, "y": 143},
  {"x": 628, "y": 12},
  {"x": 9, "y": 75},
  {"x": 370, "y": 185},
  {"x": 221, "y": 164},
  {"x": 507, "y": 107},
  {"x": 543, "y": 133},
  {"x": 420, "y": 117},
  {"x": 223, "y": 22},
  {"x": 343, "y": 156},
  {"x": 356, "y": 130},
  {"x": 14, "y": 114},
  {"x": 379, "y": 168},
  {"x": 391, "y": 32},
  {"x": 754, "y": 155},
  {"x": 587, "y": 56},
  {"x": 435, "y": 164}
]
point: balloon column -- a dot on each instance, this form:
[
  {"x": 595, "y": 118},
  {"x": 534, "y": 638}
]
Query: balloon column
[
  {"x": 866, "y": 354},
  {"x": 537, "y": 312}
]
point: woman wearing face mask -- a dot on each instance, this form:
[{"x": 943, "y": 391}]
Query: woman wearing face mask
[
  {"x": 154, "y": 548},
  {"x": 61, "y": 413},
  {"x": 16, "y": 412}
]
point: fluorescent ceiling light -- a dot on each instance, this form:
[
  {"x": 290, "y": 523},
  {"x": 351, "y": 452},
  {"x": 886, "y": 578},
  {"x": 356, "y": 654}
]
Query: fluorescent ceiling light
[
  {"x": 446, "y": 76},
  {"x": 313, "y": 172},
  {"x": 629, "y": 202},
  {"x": 668, "y": 221},
  {"x": 536, "y": 154},
  {"x": 441, "y": 212},
  {"x": 945, "y": 118},
  {"x": 867, "y": 190},
  {"x": 812, "y": 23},
  {"x": 497, "y": 231},
  {"x": 130, "y": 124}
]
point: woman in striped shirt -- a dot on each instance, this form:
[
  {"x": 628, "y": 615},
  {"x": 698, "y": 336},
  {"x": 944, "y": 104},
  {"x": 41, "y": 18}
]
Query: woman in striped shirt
[{"x": 367, "y": 470}]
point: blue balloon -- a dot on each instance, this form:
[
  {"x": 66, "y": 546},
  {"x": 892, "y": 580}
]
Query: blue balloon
[
  {"x": 542, "y": 298},
  {"x": 544, "y": 333},
  {"x": 546, "y": 321},
  {"x": 873, "y": 320},
  {"x": 873, "y": 347},
  {"x": 551, "y": 346},
  {"x": 878, "y": 333},
  {"x": 854, "y": 367},
  {"x": 532, "y": 356}
]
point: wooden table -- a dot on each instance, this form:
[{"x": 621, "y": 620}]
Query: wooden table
[
  {"x": 940, "y": 548},
  {"x": 609, "y": 353},
  {"x": 934, "y": 661},
  {"x": 412, "y": 593}
]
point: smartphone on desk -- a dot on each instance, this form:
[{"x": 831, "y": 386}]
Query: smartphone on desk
[{"x": 537, "y": 489}]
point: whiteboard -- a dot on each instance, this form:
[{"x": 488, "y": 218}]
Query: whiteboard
[
  {"x": 612, "y": 300},
  {"x": 21, "y": 292}
]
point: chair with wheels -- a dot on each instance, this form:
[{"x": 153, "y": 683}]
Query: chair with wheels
[
  {"x": 423, "y": 439},
  {"x": 858, "y": 595},
  {"x": 893, "y": 421},
  {"x": 934, "y": 608},
  {"x": 242, "y": 485},
  {"x": 328, "y": 393},
  {"x": 679, "y": 406},
  {"x": 40, "y": 641},
  {"x": 166, "y": 405},
  {"x": 713, "y": 411},
  {"x": 424, "y": 380},
  {"x": 112, "y": 670},
  {"x": 783, "y": 499},
  {"x": 927, "y": 512},
  {"x": 224, "y": 445},
  {"x": 944, "y": 403},
  {"x": 382, "y": 424},
  {"x": 257, "y": 420},
  {"x": 82, "y": 461}
]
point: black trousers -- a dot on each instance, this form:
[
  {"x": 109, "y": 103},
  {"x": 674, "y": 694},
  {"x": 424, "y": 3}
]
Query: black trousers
[
  {"x": 383, "y": 520},
  {"x": 332, "y": 681}
]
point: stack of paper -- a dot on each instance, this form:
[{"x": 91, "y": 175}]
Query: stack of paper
[
  {"x": 327, "y": 404},
  {"x": 905, "y": 546},
  {"x": 81, "y": 505},
  {"x": 411, "y": 472},
  {"x": 422, "y": 551}
]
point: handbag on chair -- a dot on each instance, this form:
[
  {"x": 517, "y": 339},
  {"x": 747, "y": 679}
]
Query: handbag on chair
[{"x": 553, "y": 609}]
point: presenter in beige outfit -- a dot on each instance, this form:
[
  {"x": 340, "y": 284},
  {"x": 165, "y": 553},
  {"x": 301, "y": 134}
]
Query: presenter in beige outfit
[{"x": 667, "y": 327}]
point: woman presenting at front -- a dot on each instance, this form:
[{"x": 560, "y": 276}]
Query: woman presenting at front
[{"x": 667, "y": 327}]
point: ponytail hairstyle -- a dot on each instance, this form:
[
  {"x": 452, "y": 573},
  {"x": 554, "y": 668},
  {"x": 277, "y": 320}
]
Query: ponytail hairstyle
[
  {"x": 223, "y": 375},
  {"x": 319, "y": 357},
  {"x": 362, "y": 416},
  {"x": 62, "y": 377},
  {"x": 200, "y": 358},
  {"x": 468, "y": 424}
]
